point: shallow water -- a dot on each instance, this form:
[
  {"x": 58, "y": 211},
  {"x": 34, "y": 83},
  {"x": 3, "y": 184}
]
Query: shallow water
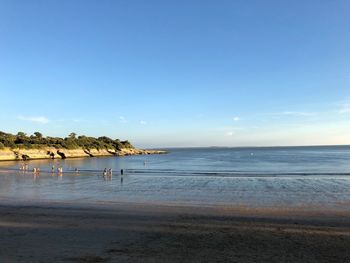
[{"x": 288, "y": 177}]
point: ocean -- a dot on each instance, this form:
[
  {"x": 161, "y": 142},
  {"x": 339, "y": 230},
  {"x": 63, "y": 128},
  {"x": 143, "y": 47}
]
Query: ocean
[{"x": 315, "y": 177}]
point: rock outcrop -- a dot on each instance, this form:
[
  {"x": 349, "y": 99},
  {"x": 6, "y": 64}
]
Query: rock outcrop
[{"x": 8, "y": 154}]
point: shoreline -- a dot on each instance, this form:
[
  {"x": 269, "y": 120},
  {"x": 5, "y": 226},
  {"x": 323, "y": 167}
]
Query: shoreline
[
  {"x": 44, "y": 153},
  {"x": 307, "y": 214},
  {"x": 154, "y": 233}
]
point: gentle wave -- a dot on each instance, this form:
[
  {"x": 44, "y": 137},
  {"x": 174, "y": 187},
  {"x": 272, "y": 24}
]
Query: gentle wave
[
  {"x": 231, "y": 173},
  {"x": 173, "y": 172}
]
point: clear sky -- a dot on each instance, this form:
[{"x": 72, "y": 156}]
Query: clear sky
[{"x": 178, "y": 73}]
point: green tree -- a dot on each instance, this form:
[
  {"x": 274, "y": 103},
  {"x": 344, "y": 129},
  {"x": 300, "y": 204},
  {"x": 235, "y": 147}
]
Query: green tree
[
  {"x": 22, "y": 138},
  {"x": 126, "y": 144},
  {"x": 37, "y": 140},
  {"x": 72, "y": 135},
  {"x": 21, "y": 134},
  {"x": 38, "y": 135}
]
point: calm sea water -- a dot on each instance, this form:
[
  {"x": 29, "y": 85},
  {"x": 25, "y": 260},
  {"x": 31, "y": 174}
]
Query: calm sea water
[{"x": 311, "y": 177}]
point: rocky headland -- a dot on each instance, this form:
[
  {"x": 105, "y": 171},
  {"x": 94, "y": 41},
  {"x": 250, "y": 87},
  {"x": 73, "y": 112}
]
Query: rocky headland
[
  {"x": 8, "y": 154},
  {"x": 20, "y": 146}
]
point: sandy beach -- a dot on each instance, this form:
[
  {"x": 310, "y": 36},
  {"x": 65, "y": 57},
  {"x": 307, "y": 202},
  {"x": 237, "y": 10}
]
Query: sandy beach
[
  {"x": 174, "y": 131},
  {"x": 61, "y": 232}
]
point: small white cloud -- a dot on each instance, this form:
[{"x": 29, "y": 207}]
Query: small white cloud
[
  {"x": 236, "y": 118},
  {"x": 40, "y": 119},
  {"x": 295, "y": 113},
  {"x": 143, "y": 122},
  {"x": 230, "y": 133},
  {"x": 298, "y": 113},
  {"x": 122, "y": 119},
  {"x": 345, "y": 108},
  {"x": 228, "y": 128}
]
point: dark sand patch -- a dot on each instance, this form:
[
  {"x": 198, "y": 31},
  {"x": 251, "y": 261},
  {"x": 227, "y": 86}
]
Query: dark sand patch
[{"x": 143, "y": 233}]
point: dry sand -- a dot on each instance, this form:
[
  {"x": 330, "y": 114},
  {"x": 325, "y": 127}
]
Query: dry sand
[{"x": 159, "y": 233}]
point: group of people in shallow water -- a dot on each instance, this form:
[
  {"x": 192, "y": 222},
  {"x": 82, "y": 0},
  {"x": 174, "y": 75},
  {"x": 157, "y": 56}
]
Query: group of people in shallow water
[
  {"x": 109, "y": 172},
  {"x": 59, "y": 170},
  {"x": 36, "y": 170},
  {"x": 24, "y": 167},
  {"x": 107, "y": 175}
]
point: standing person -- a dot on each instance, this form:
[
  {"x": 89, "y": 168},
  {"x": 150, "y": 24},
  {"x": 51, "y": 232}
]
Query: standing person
[
  {"x": 110, "y": 171},
  {"x": 105, "y": 172},
  {"x": 121, "y": 171}
]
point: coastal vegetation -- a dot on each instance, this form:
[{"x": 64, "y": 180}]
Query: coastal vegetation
[{"x": 37, "y": 140}]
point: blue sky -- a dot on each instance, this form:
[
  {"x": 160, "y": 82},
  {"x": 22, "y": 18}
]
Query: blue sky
[{"x": 178, "y": 73}]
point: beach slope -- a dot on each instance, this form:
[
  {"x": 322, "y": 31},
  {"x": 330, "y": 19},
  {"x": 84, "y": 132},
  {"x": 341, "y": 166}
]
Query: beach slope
[{"x": 145, "y": 233}]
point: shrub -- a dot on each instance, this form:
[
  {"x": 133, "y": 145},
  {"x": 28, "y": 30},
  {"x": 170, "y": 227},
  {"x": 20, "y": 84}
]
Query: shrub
[{"x": 37, "y": 140}]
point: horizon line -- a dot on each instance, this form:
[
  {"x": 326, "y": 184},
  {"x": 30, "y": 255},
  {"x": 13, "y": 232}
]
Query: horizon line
[{"x": 271, "y": 146}]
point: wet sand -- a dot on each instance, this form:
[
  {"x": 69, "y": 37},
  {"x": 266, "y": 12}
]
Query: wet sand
[{"x": 59, "y": 232}]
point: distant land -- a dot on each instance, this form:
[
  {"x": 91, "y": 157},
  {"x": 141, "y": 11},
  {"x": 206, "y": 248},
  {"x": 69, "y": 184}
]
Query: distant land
[{"x": 37, "y": 146}]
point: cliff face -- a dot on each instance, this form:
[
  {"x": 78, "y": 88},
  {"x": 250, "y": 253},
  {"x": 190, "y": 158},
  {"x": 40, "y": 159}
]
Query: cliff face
[{"x": 8, "y": 154}]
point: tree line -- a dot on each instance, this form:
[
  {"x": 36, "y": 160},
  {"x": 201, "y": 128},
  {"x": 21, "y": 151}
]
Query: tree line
[{"x": 72, "y": 141}]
